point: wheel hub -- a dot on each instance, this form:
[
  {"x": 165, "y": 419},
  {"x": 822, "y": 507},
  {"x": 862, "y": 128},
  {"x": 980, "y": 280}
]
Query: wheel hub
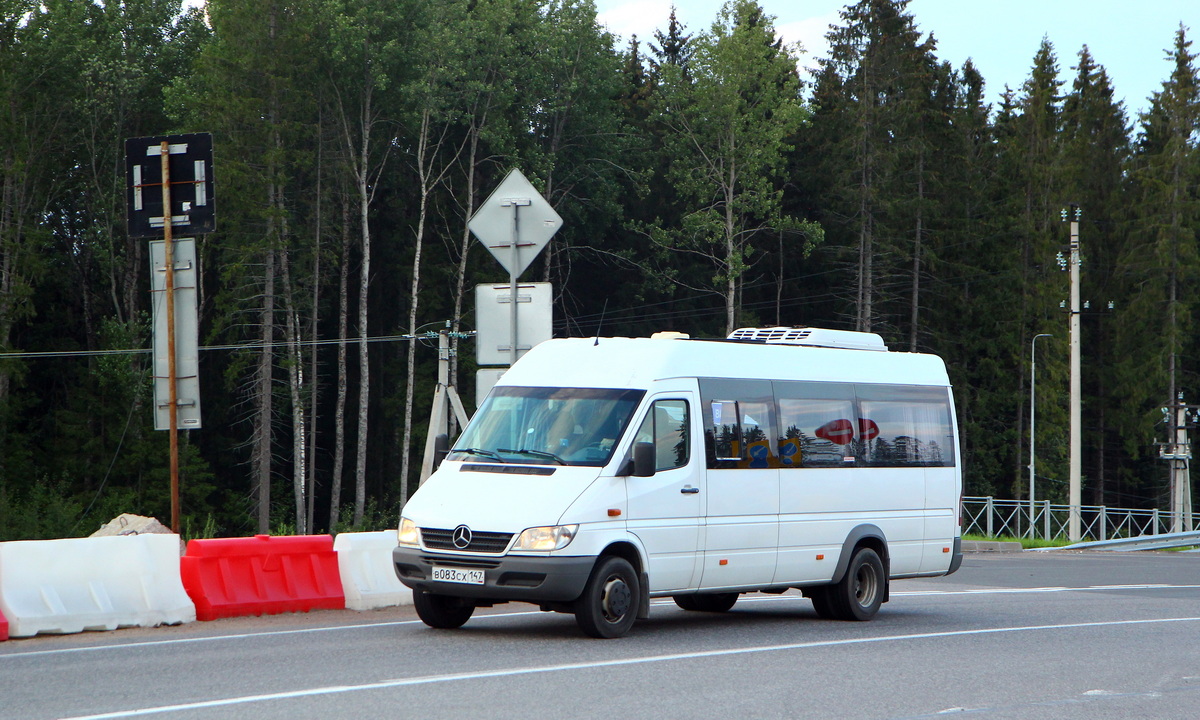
[
  {"x": 617, "y": 599},
  {"x": 864, "y": 589}
]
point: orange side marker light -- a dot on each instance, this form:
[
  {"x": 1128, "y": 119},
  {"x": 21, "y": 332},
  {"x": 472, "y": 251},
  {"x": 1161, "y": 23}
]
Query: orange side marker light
[{"x": 614, "y": 512}]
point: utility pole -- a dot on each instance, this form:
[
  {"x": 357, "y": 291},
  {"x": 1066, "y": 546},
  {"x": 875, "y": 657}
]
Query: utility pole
[
  {"x": 1075, "y": 490},
  {"x": 1177, "y": 451},
  {"x": 439, "y": 416}
]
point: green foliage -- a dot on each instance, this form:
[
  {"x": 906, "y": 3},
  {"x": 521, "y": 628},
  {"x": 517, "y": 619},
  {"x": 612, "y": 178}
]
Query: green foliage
[
  {"x": 728, "y": 121},
  {"x": 377, "y": 516},
  {"x": 703, "y": 186},
  {"x": 1027, "y": 543}
]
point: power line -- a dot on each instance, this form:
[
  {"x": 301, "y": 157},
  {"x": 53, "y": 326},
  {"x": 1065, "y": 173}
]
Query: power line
[{"x": 241, "y": 346}]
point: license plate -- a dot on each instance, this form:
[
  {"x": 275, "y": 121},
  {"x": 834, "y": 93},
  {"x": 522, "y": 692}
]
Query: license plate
[{"x": 458, "y": 575}]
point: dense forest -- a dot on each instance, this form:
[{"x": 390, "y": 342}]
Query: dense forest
[{"x": 705, "y": 184}]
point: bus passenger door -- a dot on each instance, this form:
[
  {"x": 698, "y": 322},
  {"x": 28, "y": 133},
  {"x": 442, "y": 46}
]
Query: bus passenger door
[
  {"x": 741, "y": 532},
  {"x": 665, "y": 509}
]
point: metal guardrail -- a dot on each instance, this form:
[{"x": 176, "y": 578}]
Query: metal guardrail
[
  {"x": 1014, "y": 518},
  {"x": 1146, "y": 542}
]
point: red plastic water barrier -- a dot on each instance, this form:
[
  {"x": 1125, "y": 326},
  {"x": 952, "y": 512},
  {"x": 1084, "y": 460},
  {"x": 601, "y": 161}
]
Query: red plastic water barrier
[
  {"x": 262, "y": 575},
  {"x": 3, "y": 628}
]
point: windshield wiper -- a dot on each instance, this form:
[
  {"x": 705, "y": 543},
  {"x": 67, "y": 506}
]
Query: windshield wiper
[
  {"x": 481, "y": 452},
  {"x": 536, "y": 453}
]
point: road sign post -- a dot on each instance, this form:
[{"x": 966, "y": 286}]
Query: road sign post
[
  {"x": 184, "y": 161},
  {"x": 514, "y": 224}
]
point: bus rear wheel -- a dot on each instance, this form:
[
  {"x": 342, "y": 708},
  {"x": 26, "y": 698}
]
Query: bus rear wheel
[
  {"x": 706, "y": 602},
  {"x": 860, "y": 592}
]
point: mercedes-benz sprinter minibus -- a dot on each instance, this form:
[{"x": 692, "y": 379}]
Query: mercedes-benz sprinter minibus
[{"x": 602, "y": 472}]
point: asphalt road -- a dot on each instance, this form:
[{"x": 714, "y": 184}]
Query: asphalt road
[{"x": 1021, "y": 635}]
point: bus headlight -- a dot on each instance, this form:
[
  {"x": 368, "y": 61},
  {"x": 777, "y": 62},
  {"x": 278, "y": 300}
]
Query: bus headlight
[
  {"x": 408, "y": 533},
  {"x": 546, "y": 538}
]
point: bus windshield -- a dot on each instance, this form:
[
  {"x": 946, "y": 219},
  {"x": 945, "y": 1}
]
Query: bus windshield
[{"x": 548, "y": 426}]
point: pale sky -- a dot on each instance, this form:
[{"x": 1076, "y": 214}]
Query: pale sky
[{"x": 1001, "y": 38}]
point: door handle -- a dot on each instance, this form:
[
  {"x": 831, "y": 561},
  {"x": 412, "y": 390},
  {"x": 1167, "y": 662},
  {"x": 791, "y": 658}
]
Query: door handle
[{"x": 689, "y": 490}]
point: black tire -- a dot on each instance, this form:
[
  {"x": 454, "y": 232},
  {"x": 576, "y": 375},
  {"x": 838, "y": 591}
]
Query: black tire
[
  {"x": 823, "y": 602},
  {"x": 860, "y": 593},
  {"x": 687, "y": 602},
  {"x": 609, "y": 603},
  {"x": 442, "y": 611},
  {"x": 706, "y": 602}
]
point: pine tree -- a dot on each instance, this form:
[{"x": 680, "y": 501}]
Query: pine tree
[
  {"x": 1096, "y": 150},
  {"x": 727, "y": 129},
  {"x": 1030, "y": 201},
  {"x": 875, "y": 125},
  {"x": 1154, "y": 336}
]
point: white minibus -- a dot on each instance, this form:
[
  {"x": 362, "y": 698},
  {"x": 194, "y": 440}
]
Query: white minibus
[{"x": 602, "y": 472}]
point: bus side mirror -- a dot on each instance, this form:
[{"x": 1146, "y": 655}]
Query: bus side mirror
[
  {"x": 441, "y": 448},
  {"x": 644, "y": 460}
]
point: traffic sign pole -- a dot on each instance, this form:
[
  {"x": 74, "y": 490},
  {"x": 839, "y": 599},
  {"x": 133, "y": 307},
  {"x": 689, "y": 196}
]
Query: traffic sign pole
[
  {"x": 195, "y": 195},
  {"x": 172, "y": 389},
  {"x": 512, "y": 244},
  {"x": 516, "y": 204}
]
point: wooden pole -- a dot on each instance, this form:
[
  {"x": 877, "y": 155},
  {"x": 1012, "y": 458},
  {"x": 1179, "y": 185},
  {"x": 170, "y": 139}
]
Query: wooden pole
[{"x": 172, "y": 387}]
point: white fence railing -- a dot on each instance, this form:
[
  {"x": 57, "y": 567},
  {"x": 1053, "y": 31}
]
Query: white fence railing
[{"x": 1013, "y": 518}]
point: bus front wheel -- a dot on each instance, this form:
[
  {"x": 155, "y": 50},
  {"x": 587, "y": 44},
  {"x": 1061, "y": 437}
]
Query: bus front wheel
[
  {"x": 609, "y": 603},
  {"x": 442, "y": 611}
]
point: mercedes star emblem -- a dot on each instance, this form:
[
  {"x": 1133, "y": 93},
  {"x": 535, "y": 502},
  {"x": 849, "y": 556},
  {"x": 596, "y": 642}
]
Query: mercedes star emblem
[{"x": 462, "y": 537}]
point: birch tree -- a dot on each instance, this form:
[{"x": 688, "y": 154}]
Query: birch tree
[
  {"x": 728, "y": 131},
  {"x": 368, "y": 48}
]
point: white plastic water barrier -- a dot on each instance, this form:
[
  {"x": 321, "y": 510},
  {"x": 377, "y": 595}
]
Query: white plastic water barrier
[
  {"x": 102, "y": 583},
  {"x": 368, "y": 577}
]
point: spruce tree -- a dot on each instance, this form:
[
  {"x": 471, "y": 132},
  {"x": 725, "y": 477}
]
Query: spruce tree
[{"x": 1154, "y": 336}]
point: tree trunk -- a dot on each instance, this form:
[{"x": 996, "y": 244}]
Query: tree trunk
[
  {"x": 423, "y": 151},
  {"x": 310, "y": 470},
  {"x": 295, "y": 389},
  {"x": 914, "y": 316},
  {"x": 461, "y": 274},
  {"x": 339, "y": 412},
  {"x": 364, "y": 368},
  {"x": 261, "y": 459}
]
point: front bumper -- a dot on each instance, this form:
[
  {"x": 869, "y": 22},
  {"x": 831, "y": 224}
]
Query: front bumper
[{"x": 506, "y": 577}]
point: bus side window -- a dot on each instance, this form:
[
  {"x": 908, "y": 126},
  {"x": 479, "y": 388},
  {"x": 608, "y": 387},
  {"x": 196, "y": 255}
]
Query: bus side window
[
  {"x": 666, "y": 425},
  {"x": 818, "y": 424},
  {"x": 905, "y": 426},
  {"x": 739, "y": 423}
]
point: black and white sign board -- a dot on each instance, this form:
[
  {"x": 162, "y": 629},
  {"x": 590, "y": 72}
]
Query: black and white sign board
[{"x": 193, "y": 194}]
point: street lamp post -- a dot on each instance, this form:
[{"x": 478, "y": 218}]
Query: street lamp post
[{"x": 1033, "y": 427}]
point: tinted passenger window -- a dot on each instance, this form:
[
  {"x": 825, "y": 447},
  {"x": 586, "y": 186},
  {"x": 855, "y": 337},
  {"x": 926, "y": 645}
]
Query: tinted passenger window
[
  {"x": 818, "y": 424},
  {"x": 666, "y": 425},
  {"x": 905, "y": 426},
  {"x": 739, "y": 423}
]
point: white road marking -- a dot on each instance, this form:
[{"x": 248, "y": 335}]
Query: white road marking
[
  {"x": 512, "y": 672},
  {"x": 661, "y": 602}
]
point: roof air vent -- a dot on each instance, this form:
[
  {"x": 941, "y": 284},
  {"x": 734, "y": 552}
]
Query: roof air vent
[{"x": 813, "y": 337}]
